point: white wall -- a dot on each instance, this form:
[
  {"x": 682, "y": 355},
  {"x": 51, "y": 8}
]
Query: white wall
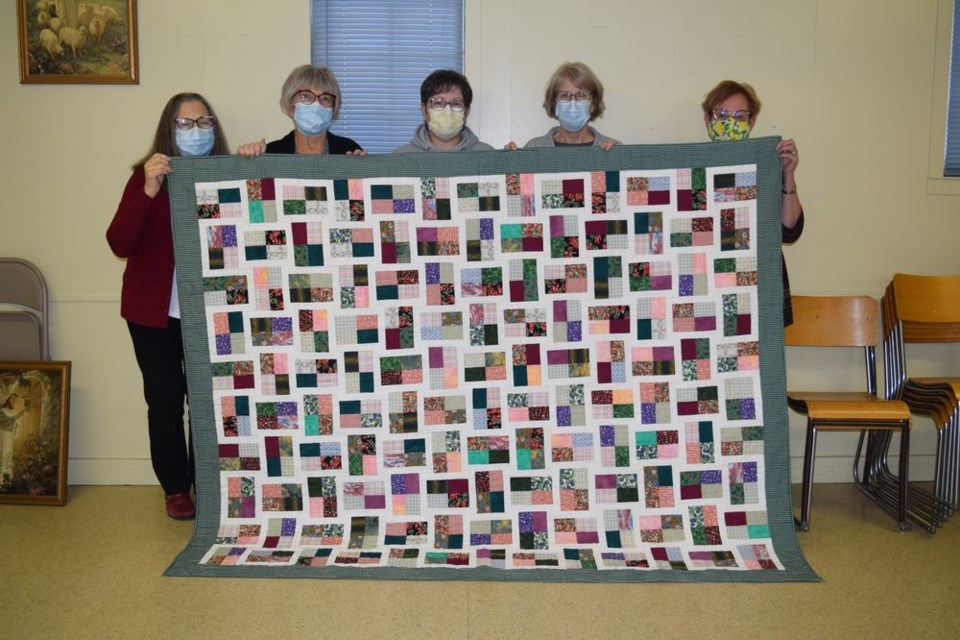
[{"x": 858, "y": 84}]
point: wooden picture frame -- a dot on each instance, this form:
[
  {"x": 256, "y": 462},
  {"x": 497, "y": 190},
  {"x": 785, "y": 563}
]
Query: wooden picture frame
[
  {"x": 34, "y": 427},
  {"x": 64, "y": 43}
]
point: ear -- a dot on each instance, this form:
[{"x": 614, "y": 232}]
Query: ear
[
  {"x": 753, "y": 121},
  {"x": 706, "y": 119},
  {"x": 466, "y": 113},
  {"x": 425, "y": 112}
]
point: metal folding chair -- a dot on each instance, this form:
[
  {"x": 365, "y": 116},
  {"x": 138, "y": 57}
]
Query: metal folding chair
[{"x": 24, "y": 314}]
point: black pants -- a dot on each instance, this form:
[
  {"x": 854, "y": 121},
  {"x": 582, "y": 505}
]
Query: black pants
[{"x": 160, "y": 357}]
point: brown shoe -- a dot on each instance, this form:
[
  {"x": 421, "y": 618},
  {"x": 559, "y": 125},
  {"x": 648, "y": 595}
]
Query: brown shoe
[{"x": 180, "y": 507}]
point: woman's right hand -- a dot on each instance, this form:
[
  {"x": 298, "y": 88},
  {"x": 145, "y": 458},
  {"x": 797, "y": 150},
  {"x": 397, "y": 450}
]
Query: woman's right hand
[
  {"x": 155, "y": 169},
  {"x": 511, "y": 146},
  {"x": 252, "y": 149}
]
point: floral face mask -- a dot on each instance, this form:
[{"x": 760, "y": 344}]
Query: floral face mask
[{"x": 728, "y": 129}]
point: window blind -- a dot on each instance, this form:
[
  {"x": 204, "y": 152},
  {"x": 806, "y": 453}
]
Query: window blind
[
  {"x": 951, "y": 164},
  {"x": 381, "y": 50}
]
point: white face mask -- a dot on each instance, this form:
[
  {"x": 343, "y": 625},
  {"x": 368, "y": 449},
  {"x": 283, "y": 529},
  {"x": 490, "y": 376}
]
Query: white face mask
[{"x": 446, "y": 124}]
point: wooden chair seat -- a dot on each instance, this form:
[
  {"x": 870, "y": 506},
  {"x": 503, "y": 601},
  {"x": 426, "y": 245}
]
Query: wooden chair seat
[{"x": 846, "y": 406}]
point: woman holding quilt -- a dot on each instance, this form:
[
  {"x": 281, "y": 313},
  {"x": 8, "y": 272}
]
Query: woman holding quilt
[
  {"x": 574, "y": 97},
  {"x": 310, "y": 96},
  {"x": 141, "y": 233},
  {"x": 730, "y": 112}
]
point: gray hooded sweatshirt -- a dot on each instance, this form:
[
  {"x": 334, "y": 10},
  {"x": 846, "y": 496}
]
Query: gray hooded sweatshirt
[{"x": 421, "y": 142}]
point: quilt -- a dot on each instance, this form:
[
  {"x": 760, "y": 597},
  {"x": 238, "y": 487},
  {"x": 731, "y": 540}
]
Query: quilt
[{"x": 558, "y": 364}]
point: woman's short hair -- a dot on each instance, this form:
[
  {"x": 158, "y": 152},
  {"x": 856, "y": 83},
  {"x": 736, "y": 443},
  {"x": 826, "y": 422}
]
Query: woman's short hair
[
  {"x": 165, "y": 140},
  {"x": 308, "y": 75},
  {"x": 580, "y": 75},
  {"x": 443, "y": 80},
  {"x": 728, "y": 88}
]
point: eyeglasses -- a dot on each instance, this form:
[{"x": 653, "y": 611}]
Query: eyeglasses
[
  {"x": 439, "y": 104},
  {"x": 724, "y": 114},
  {"x": 185, "y": 124},
  {"x": 305, "y": 96},
  {"x": 579, "y": 96}
]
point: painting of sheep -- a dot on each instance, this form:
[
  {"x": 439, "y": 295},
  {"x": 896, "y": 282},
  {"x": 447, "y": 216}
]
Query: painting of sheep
[{"x": 69, "y": 41}]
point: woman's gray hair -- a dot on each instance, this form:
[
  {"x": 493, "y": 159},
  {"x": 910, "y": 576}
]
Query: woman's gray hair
[
  {"x": 580, "y": 75},
  {"x": 309, "y": 75}
]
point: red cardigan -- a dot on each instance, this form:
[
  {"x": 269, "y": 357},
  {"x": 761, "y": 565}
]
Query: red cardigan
[{"x": 141, "y": 233}]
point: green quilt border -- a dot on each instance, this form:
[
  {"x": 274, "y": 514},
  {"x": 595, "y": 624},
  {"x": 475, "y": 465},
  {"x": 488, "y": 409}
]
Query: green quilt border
[{"x": 761, "y": 151}]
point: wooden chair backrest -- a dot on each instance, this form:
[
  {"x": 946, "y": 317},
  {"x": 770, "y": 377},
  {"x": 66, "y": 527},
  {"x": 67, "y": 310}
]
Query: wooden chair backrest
[
  {"x": 928, "y": 307},
  {"x": 833, "y": 321}
]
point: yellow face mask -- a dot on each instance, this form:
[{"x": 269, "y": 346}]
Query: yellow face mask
[
  {"x": 445, "y": 124},
  {"x": 729, "y": 129}
]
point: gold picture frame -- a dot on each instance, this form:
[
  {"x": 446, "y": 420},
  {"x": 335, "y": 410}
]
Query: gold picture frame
[
  {"x": 34, "y": 428},
  {"x": 72, "y": 42}
]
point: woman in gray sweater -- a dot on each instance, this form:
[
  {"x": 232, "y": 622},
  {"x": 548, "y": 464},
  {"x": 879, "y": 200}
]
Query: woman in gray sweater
[{"x": 574, "y": 97}]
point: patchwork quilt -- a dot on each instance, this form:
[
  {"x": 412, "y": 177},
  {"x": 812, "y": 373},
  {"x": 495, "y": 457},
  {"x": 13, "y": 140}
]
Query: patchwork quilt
[{"x": 558, "y": 364}]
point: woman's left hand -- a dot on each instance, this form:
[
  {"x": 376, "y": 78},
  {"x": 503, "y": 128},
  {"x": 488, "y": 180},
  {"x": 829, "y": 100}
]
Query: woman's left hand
[
  {"x": 789, "y": 158},
  {"x": 356, "y": 152}
]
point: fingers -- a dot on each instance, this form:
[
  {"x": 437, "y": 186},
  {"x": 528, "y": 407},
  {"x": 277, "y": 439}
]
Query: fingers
[
  {"x": 154, "y": 169},
  {"x": 252, "y": 149},
  {"x": 511, "y": 146},
  {"x": 356, "y": 152},
  {"x": 789, "y": 158},
  {"x": 606, "y": 145},
  {"x": 787, "y": 147},
  {"x": 157, "y": 165}
]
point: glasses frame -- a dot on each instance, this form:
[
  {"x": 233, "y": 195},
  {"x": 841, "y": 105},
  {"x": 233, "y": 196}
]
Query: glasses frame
[
  {"x": 203, "y": 122},
  {"x": 300, "y": 94},
  {"x": 574, "y": 96},
  {"x": 439, "y": 104},
  {"x": 740, "y": 115}
]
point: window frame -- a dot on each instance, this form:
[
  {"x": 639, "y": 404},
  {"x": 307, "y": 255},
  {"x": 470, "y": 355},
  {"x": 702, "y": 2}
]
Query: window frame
[{"x": 382, "y": 124}]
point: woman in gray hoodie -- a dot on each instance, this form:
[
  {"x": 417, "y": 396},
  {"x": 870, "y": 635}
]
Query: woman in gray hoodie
[{"x": 445, "y": 97}]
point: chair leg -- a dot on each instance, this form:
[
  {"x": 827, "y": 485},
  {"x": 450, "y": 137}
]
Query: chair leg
[
  {"x": 807, "y": 493},
  {"x": 904, "y": 471}
]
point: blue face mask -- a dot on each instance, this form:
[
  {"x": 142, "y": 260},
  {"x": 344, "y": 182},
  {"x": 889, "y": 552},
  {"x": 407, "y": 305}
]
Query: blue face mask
[
  {"x": 573, "y": 115},
  {"x": 312, "y": 119},
  {"x": 195, "y": 142}
]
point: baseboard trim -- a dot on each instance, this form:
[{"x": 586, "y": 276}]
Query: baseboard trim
[{"x": 111, "y": 471}]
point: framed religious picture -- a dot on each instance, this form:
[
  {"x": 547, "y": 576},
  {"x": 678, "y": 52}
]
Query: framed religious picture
[
  {"x": 34, "y": 417},
  {"x": 72, "y": 42}
]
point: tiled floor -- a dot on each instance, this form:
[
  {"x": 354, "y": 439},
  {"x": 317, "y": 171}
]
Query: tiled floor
[{"x": 64, "y": 575}]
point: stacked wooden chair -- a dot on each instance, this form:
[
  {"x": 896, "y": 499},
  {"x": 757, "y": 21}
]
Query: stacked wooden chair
[
  {"x": 926, "y": 309},
  {"x": 851, "y": 322}
]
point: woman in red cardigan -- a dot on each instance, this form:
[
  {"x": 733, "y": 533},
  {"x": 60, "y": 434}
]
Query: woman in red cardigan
[{"x": 141, "y": 233}]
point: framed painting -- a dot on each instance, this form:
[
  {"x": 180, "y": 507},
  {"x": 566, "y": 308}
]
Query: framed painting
[
  {"x": 72, "y": 42},
  {"x": 34, "y": 420}
]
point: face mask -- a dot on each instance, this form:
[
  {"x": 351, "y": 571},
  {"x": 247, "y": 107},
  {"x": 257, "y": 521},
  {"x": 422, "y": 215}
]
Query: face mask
[
  {"x": 312, "y": 119},
  {"x": 729, "y": 129},
  {"x": 573, "y": 115},
  {"x": 446, "y": 124},
  {"x": 195, "y": 142}
]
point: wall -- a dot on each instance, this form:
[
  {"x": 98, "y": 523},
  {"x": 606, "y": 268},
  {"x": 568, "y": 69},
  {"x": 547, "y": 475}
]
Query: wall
[{"x": 858, "y": 84}]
